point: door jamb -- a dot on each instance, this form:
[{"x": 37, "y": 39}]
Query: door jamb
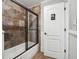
[{"x": 67, "y": 29}]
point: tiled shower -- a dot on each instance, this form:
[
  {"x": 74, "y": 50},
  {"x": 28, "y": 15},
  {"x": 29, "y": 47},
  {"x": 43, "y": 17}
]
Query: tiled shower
[{"x": 20, "y": 26}]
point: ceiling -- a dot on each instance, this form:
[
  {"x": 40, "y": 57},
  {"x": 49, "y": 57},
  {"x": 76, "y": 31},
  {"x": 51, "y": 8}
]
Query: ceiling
[{"x": 29, "y": 3}]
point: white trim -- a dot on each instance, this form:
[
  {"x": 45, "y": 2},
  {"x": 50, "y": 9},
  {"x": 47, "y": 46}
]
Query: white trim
[
  {"x": 73, "y": 32},
  {"x": 67, "y": 28},
  {"x": 42, "y": 44}
]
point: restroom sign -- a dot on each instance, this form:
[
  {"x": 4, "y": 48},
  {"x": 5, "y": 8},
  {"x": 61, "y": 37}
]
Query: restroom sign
[{"x": 53, "y": 16}]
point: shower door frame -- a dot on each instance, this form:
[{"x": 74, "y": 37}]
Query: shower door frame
[{"x": 26, "y": 40}]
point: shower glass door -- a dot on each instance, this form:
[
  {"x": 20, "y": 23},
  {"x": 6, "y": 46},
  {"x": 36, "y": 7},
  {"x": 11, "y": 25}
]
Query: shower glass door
[
  {"x": 32, "y": 29},
  {"x": 15, "y": 27},
  {"x": 20, "y": 29}
]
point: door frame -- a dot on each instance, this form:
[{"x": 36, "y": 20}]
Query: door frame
[{"x": 66, "y": 5}]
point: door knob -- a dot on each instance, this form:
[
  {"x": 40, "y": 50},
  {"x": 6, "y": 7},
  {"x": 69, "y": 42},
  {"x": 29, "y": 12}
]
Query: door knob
[{"x": 45, "y": 33}]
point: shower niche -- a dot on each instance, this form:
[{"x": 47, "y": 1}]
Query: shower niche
[{"x": 20, "y": 26}]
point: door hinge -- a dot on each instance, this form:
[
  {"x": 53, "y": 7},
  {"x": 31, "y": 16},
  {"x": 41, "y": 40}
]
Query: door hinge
[
  {"x": 64, "y": 50},
  {"x": 65, "y": 8},
  {"x": 64, "y": 29}
]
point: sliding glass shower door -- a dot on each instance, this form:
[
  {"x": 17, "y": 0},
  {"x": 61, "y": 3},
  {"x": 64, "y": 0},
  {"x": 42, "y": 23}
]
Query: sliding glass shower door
[
  {"x": 32, "y": 29},
  {"x": 13, "y": 22},
  {"x": 20, "y": 26}
]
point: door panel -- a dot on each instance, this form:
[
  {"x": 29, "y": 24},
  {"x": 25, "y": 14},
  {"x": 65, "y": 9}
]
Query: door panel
[
  {"x": 55, "y": 47},
  {"x": 54, "y": 29}
]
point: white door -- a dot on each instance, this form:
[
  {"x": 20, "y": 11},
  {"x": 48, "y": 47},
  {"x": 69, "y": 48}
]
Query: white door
[{"x": 54, "y": 30}]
